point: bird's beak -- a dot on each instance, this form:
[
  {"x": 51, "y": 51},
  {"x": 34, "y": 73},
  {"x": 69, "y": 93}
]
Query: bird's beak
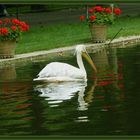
[{"x": 90, "y": 61}]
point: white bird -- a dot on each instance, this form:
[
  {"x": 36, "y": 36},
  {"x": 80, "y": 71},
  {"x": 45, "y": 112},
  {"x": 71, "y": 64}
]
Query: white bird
[{"x": 58, "y": 72}]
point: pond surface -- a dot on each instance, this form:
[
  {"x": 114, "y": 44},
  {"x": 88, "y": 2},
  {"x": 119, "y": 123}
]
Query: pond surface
[{"x": 108, "y": 104}]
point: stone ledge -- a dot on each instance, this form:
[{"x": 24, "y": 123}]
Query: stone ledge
[{"x": 67, "y": 51}]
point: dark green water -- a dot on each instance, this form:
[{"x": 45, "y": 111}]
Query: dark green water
[{"x": 108, "y": 105}]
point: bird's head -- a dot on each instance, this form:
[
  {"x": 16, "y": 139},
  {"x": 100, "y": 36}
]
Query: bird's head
[{"x": 81, "y": 49}]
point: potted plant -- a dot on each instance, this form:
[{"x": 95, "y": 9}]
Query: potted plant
[
  {"x": 98, "y": 17},
  {"x": 10, "y": 31}
]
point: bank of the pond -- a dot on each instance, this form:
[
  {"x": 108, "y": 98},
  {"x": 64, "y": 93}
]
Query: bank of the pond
[{"x": 67, "y": 51}]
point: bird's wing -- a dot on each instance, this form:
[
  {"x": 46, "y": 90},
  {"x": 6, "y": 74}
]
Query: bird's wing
[{"x": 57, "y": 69}]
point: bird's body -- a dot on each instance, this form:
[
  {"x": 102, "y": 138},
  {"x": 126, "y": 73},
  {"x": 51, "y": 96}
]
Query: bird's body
[{"x": 57, "y": 71}]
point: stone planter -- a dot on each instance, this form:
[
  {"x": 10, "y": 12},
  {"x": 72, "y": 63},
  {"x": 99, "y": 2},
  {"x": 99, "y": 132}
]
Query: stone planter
[
  {"x": 7, "y": 49},
  {"x": 98, "y": 32}
]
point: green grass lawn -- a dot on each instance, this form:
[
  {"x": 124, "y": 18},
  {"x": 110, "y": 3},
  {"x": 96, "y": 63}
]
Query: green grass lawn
[{"x": 55, "y": 36}]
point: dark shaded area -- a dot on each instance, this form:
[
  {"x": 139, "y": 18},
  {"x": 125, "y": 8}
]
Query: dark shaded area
[{"x": 61, "y": 13}]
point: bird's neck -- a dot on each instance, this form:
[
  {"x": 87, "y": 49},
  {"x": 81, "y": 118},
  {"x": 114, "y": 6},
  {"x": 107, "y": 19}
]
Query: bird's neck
[{"x": 80, "y": 62}]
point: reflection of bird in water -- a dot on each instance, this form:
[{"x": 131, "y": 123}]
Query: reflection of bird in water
[
  {"x": 57, "y": 71},
  {"x": 89, "y": 94},
  {"x": 56, "y": 93}
]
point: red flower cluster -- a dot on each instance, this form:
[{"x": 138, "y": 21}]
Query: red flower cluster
[
  {"x": 24, "y": 26},
  {"x": 4, "y": 31},
  {"x": 99, "y": 14},
  {"x": 11, "y": 28}
]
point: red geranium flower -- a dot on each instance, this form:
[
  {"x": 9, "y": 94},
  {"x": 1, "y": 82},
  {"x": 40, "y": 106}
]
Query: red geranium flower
[
  {"x": 98, "y": 8},
  {"x": 24, "y": 26},
  {"x": 92, "y": 18},
  {"x": 4, "y": 31},
  {"x": 82, "y": 17},
  {"x": 108, "y": 10},
  {"x": 14, "y": 28},
  {"x": 15, "y": 21},
  {"x": 117, "y": 11}
]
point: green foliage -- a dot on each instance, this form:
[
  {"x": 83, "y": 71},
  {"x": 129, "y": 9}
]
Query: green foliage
[{"x": 62, "y": 35}]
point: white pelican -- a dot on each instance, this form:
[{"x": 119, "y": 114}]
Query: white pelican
[{"x": 58, "y": 72}]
